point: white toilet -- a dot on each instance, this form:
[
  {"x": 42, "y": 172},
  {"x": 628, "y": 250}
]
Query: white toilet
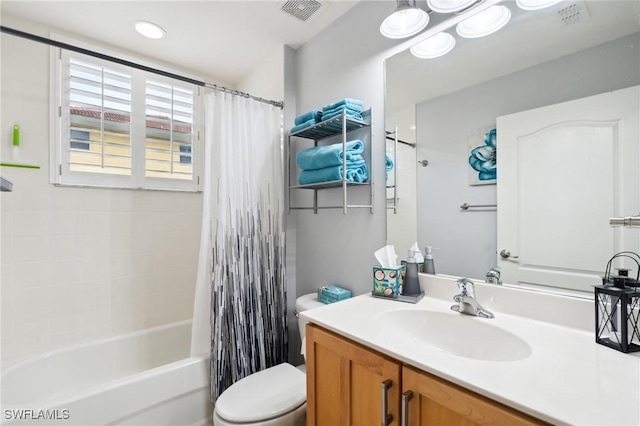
[{"x": 276, "y": 396}]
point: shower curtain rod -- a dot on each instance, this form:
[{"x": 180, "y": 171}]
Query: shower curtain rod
[{"x": 88, "y": 52}]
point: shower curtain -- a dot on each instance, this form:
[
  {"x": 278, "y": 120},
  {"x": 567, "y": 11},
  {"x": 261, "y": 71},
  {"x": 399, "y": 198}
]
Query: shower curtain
[{"x": 240, "y": 304}]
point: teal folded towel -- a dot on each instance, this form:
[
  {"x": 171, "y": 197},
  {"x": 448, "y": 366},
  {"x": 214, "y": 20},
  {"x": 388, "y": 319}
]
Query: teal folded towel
[
  {"x": 388, "y": 163},
  {"x": 304, "y": 125},
  {"x": 350, "y": 114},
  {"x": 341, "y": 108},
  {"x": 314, "y": 114},
  {"x": 341, "y": 102},
  {"x": 357, "y": 174},
  {"x": 322, "y": 156}
]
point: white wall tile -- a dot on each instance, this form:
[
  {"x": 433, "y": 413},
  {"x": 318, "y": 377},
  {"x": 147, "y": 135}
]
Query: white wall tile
[
  {"x": 31, "y": 274},
  {"x": 6, "y": 222},
  {"x": 31, "y": 248},
  {"x": 95, "y": 200},
  {"x": 30, "y": 336},
  {"x": 65, "y": 272},
  {"x": 95, "y": 223},
  {"x": 6, "y": 249},
  {"x": 121, "y": 222},
  {"x": 64, "y": 222},
  {"x": 30, "y": 223},
  {"x": 6, "y": 202},
  {"x": 64, "y": 247},
  {"x": 79, "y": 263},
  {"x": 30, "y": 303},
  {"x": 63, "y": 199}
]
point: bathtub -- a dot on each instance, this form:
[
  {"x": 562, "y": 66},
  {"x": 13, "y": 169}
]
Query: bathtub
[{"x": 141, "y": 378}]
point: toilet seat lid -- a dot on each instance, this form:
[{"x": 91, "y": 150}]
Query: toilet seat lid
[{"x": 263, "y": 395}]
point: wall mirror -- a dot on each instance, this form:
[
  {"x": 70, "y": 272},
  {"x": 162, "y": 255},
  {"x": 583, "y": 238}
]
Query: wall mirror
[{"x": 564, "y": 53}]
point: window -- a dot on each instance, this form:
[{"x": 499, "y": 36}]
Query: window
[{"x": 121, "y": 127}]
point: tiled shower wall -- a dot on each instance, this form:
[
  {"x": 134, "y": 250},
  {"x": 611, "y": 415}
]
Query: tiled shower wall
[{"x": 79, "y": 264}]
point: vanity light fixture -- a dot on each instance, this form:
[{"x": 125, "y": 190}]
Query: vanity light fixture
[
  {"x": 449, "y": 6},
  {"x": 535, "y": 4},
  {"x": 149, "y": 29},
  {"x": 484, "y": 23},
  {"x": 433, "y": 47},
  {"x": 406, "y": 21}
]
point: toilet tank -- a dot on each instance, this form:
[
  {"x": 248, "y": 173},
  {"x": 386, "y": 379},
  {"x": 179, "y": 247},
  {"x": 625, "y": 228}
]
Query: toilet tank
[{"x": 304, "y": 302}]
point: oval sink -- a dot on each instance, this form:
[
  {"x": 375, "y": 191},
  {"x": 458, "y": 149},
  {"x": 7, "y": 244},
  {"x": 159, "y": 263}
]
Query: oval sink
[{"x": 457, "y": 334}]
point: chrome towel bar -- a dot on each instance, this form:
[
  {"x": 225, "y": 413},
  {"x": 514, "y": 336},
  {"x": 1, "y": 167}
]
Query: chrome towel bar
[{"x": 466, "y": 206}]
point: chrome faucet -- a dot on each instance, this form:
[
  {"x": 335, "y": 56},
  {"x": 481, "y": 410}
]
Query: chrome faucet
[
  {"x": 466, "y": 300},
  {"x": 493, "y": 276}
]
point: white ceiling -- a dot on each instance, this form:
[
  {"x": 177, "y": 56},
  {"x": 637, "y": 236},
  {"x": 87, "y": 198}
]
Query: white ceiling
[{"x": 225, "y": 40}]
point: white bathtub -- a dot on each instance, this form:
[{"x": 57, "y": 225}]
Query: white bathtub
[{"x": 141, "y": 378}]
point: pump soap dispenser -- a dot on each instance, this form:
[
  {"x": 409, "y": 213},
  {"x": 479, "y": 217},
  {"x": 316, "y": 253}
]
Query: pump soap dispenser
[
  {"x": 429, "y": 267},
  {"x": 411, "y": 285}
]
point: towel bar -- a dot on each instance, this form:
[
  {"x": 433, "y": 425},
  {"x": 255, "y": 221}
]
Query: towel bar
[{"x": 466, "y": 206}]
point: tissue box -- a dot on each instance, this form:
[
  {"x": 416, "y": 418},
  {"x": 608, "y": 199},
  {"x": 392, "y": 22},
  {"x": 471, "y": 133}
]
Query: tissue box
[
  {"x": 332, "y": 293},
  {"x": 387, "y": 281}
]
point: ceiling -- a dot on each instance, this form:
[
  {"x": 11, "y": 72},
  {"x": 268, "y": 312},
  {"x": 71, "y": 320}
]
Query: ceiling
[
  {"x": 529, "y": 38},
  {"x": 224, "y": 40}
]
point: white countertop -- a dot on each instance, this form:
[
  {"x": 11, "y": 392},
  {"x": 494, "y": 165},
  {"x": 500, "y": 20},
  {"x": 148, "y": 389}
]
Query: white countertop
[{"x": 567, "y": 379}]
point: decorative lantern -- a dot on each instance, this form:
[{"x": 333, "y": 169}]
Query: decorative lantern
[{"x": 617, "y": 303}]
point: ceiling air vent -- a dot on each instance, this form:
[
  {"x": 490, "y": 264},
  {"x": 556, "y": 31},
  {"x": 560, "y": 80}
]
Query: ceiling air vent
[
  {"x": 573, "y": 12},
  {"x": 301, "y": 9}
]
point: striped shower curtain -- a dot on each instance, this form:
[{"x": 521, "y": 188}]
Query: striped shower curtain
[{"x": 241, "y": 289}]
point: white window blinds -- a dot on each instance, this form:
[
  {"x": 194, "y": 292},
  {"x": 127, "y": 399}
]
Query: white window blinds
[
  {"x": 100, "y": 119},
  {"x": 169, "y": 131},
  {"x": 124, "y": 127}
]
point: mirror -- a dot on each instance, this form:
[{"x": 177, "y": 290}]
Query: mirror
[{"x": 569, "y": 51}]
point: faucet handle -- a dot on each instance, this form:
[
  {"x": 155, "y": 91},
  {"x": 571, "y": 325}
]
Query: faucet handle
[{"x": 467, "y": 289}]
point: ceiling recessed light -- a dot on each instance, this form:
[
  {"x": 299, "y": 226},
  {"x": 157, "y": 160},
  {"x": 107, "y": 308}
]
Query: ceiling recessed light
[
  {"x": 437, "y": 45},
  {"x": 484, "y": 23},
  {"x": 149, "y": 29}
]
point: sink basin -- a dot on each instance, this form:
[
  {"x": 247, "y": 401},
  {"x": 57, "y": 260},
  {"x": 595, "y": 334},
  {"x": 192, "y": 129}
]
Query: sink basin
[{"x": 461, "y": 335}]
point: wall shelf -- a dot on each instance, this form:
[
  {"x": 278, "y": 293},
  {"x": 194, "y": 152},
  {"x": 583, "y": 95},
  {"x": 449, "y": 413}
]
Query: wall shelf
[{"x": 340, "y": 125}]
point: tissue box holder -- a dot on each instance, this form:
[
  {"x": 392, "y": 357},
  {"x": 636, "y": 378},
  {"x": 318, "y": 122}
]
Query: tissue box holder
[
  {"x": 387, "y": 281},
  {"x": 332, "y": 294}
]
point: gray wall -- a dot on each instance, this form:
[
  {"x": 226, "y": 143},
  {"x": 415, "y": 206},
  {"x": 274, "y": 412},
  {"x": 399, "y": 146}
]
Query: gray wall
[
  {"x": 445, "y": 122},
  {"x": 346, "y": 60}
]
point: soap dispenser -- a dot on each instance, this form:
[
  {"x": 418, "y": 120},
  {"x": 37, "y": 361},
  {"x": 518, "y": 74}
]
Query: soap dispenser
[
  {"x": 411, "y": 286},
  {"x": 429, "y": 267}
]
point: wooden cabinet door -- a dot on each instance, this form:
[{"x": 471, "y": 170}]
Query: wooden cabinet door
[
  {"x": 344, "y": 382},
  {"x": 436, "y": 402}
]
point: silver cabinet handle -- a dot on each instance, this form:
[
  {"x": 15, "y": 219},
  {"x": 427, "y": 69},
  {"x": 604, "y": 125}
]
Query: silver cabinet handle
[
  {"x": 386, "y": 417},
  {"x": 506, "y": 254},
  {"x": 404, "y": 415}
]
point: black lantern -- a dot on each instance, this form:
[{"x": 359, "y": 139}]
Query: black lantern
[{"x": 617, "y": 303}]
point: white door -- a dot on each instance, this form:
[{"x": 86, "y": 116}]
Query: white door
[{"x": 563, "y": 171}]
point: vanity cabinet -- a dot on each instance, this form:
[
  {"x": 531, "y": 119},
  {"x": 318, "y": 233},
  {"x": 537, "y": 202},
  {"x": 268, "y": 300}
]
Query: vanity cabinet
[
  {"x": 323, "y": 133},
  {"x": 345, "y": 382},
  {"x": 435, "y": 401},
  {"x": 350, "y": 384}
]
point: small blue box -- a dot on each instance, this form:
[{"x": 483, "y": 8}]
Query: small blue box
[{"x": 332, "y": 293}]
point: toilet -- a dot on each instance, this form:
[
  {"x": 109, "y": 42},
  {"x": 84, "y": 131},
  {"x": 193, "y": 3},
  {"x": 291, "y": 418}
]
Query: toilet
[{"x": 276, "y": 396}]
